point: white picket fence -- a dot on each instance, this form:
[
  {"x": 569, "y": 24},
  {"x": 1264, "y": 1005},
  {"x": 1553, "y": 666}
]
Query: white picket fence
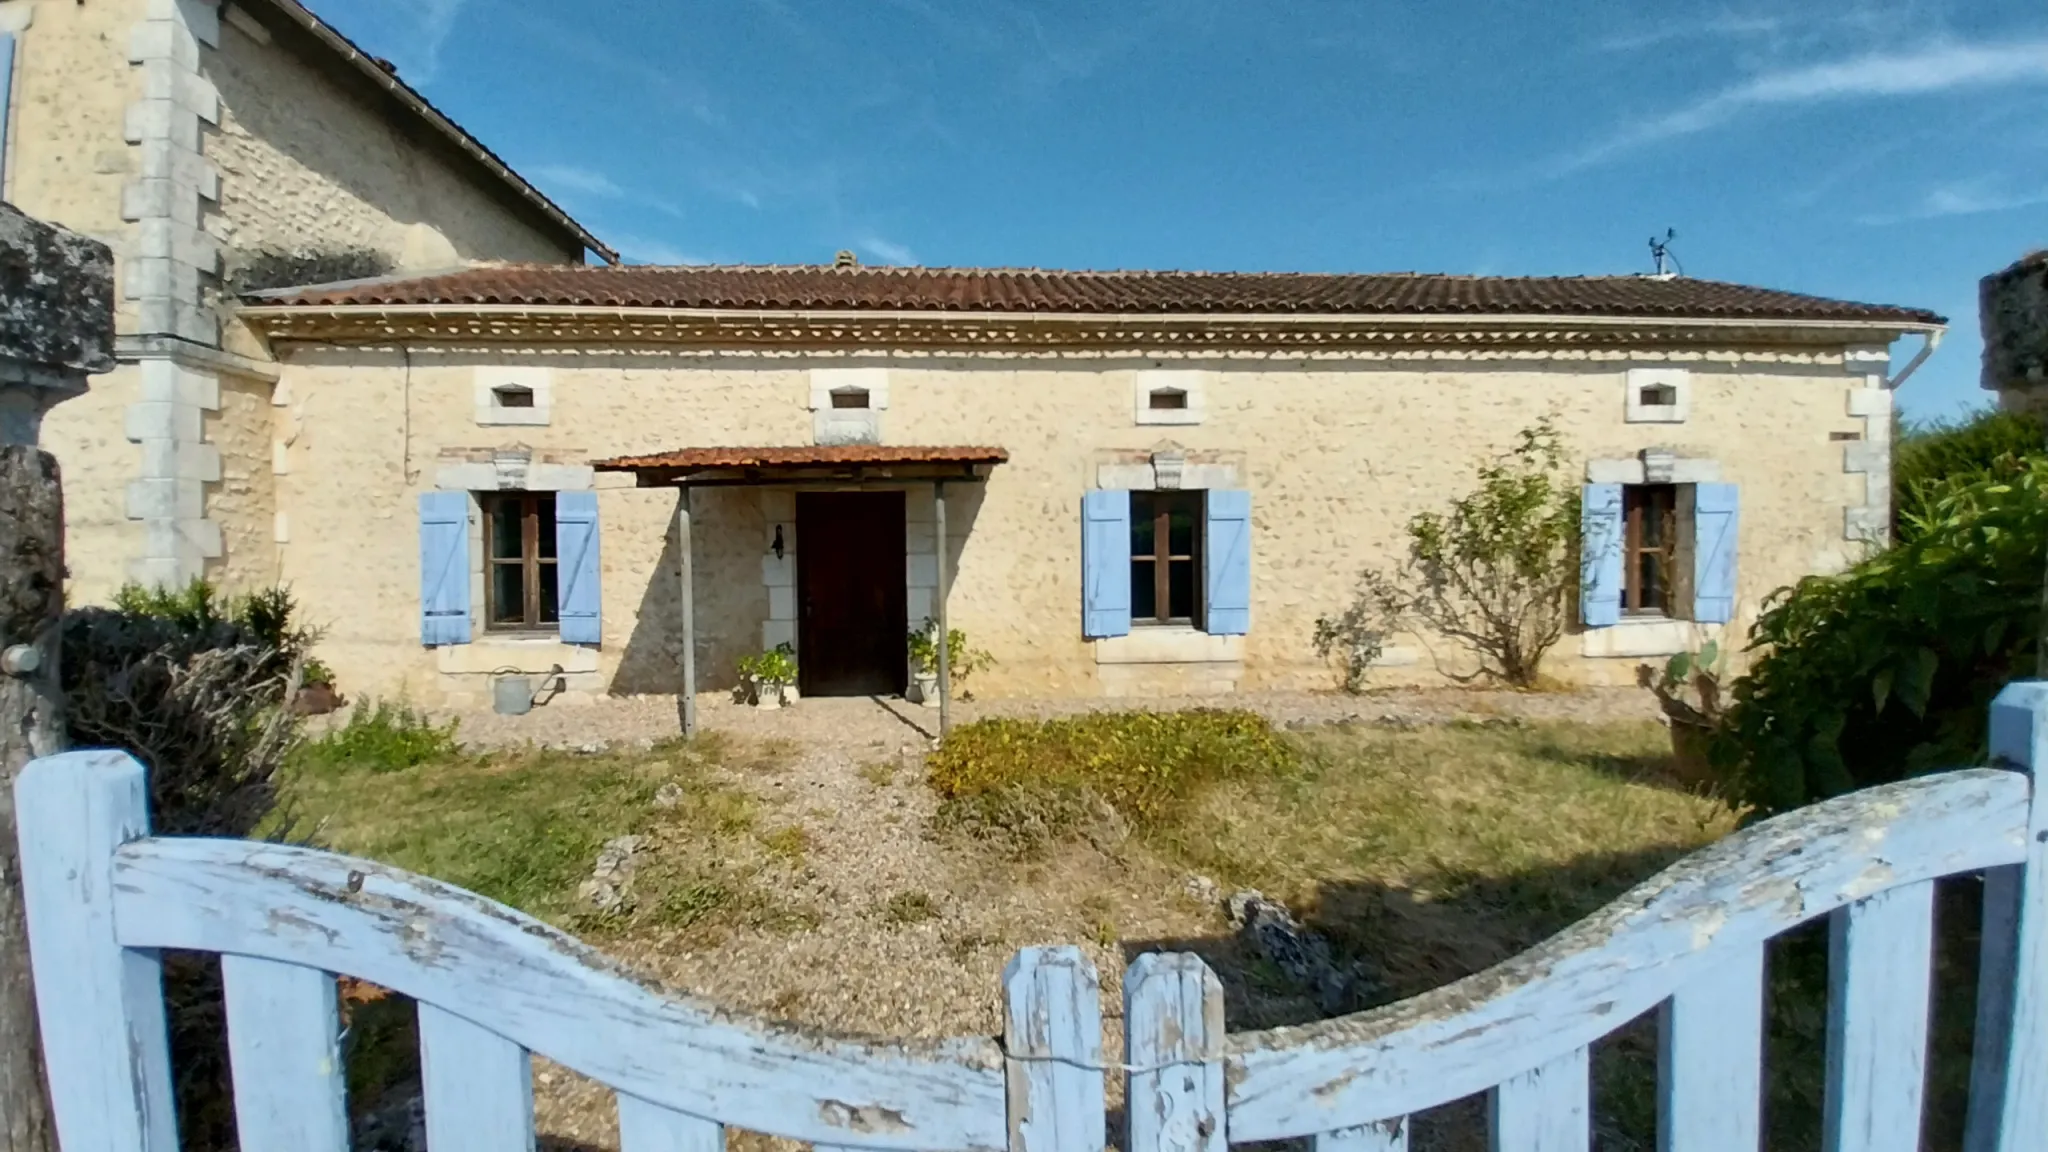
[{"x": 103, "y": 897}]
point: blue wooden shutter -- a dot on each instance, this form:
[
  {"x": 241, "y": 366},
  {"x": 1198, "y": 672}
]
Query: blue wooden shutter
[
  {"x": 576, "y": 554},
  {"x": 1227, "y": 562},
  {"x": 1106, "y": 562},
  {"x": 1714, "y": 522},
  {"x": 1600, "y": 544},
  {"x": 6, "y": 94},
  {"x": 444, "y": 568}
]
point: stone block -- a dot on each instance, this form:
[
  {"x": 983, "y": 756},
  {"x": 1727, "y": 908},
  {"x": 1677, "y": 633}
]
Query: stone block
[
  {"x": 159, "y": 199},
  {"x": 779, "y": 571},
  {"x": 159, "y": 278},
  {"x": 163, "y": 40},
  {"x": 187, "y": 541},
  {"x": 163, "y": 421},
  {"x": 922, "y": 571},
  {"x": 167, "y": 239},
  {"x": 166, "y": 500},
  {"x": 782, "y": 603},
  {"x": 774, "y": 632},
  {"x": 169, "y": 382},
  {"x": 180, "y": 460},
  {"x": 188, "y": 90},
  {"x": 160, "y": 121},
  {"x": 919, "y": 605},
  {"x": 180, "y": 167}
]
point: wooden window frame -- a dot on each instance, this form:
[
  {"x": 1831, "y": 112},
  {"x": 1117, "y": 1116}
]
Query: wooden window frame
[
  {"x": 1674, "y": 503},
  {"x": 533, "y": 614},
  {"x": 1164, "y": 504}
]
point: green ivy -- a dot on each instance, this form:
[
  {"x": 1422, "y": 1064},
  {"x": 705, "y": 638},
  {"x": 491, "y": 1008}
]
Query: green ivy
[{"x": 1886, "y": 671}]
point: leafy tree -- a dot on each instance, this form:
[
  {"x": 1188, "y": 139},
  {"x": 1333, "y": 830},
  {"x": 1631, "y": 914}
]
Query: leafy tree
[
  {"x": 1933, "y": 459},
  {"x": 1494, "y": 572}
]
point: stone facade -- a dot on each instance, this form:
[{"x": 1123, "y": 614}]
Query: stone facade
[
  {"x": 199, "y": 143},
  {"x": 2014, "y": 308},
  {"x": 1337, "y": 452}
]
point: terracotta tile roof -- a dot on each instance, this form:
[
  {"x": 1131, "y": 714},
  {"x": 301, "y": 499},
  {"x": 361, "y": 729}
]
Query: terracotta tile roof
[
  {"x": 805, "y": 455},
  {"x": 855, "y": 288}
]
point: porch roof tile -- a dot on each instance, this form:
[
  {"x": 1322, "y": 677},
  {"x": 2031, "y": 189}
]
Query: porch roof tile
[{"x": 802, "y": 455}]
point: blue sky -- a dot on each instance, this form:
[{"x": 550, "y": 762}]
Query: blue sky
[{"x": 1885, "y": 150}]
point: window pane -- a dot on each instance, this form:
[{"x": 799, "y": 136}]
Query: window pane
[
  {"x": 546, "y": 507},
  {"x": 1180, "y": 531},
  {"x": 504, "y": 529},
  {"x": 1144, "y": 593},
  {"x": 1180, "y": 585},
  {"x": 550, "y": 593},
  {"x": 1142, "y": 524},
  {"x": 1650, "y": 578},
  {"x": 508, "y": 594}
]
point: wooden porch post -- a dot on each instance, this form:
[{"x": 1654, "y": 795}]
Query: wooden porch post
[
  {"x": 945, "y": 633},
  {"x": 687, "y": 575}
]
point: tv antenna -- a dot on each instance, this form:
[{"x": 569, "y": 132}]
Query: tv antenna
[{"x": 1660, "y": 251}]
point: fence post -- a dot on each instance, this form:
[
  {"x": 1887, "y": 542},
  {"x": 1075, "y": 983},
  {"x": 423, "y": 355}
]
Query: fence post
[
  {"x": 105, "y": 1045},
  {"x": 1052, "y": 1036},
  {"x": 2009, "y": 1068},
  {"x": 1173, "y": 1045}
]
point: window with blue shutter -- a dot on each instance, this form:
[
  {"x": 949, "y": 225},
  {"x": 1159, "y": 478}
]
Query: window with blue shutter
[
  {"x": 1105, "y": 563},
  {"x": 1600, "y": 549},
  {"x": 576, "y": 546},
  {"x": 1227, "y": 567},
  {"x": 444, "y": 568},
  {"x": 1715, "y": 520}
]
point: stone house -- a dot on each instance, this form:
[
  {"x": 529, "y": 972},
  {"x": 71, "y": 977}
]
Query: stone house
[
  {"x": 1148, "y": 482},
  {"x": 1152, "y": 482},
  {"x": 216, "y": 146}
]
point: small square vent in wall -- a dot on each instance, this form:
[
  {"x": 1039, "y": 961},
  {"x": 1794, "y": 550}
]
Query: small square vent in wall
[
  {"x": 514, "y": 396},
  {"x": 1168, "y": 396},
  {"x": 1658, "y": 395}
]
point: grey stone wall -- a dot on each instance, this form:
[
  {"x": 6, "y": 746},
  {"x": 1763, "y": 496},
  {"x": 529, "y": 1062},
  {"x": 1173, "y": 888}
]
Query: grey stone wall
[
  {"x": 2014, "y": 307},
  {"x": 56, "y": 319}
]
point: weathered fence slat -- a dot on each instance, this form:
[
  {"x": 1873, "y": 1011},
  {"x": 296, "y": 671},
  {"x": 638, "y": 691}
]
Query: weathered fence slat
[
  {"x": 1052, "y": 1037},
  {"x": 1545, "y": 1109},
  {"x": 1173, "y": 1044},
  {"x": 1710, "y": 1060},
  {"x": 556, "y": 996},
  {"x": 1880, "y": 956},
  {"x": 645, "y": 1127},
  {"x": 1385, "y": 1136},
  {"x": 105, "y": 1046},
  {"x": 284, "y": 1033},
  {"x": 2009, "y": 1067},
  {"x": 479, "y": 1086},
  {"x": 1623, "y": 960}
]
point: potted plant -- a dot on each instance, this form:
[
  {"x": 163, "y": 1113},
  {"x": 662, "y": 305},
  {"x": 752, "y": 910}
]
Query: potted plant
[
  {"x": 1688, "y": 690},
  {"x": 770, "y": 677},
  {"x": 961, "y": 661}
]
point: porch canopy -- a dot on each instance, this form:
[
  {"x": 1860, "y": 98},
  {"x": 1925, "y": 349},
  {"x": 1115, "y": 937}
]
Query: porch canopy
[{"x": 799, "y": 466}]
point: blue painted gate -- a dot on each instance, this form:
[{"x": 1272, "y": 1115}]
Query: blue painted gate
[{"x": 103, "y": 897}]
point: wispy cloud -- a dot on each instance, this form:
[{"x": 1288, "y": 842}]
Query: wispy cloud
[
  {"x": 887, "y": 251},
  {"x": 647, "y": 250},
  {"x": 1968, "y": 198},
  {"x": 585, "y": 180},
  {"x": 1932, "y": 70},
  {"x": 420, "y": 30},
  {"x": 1727, "y": 25}
]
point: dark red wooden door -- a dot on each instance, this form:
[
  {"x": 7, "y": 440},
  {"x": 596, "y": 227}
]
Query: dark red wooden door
[{"x": 850, "y": 594}]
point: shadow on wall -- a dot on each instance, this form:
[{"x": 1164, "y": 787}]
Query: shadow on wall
[{"x": 729, "y": 538}]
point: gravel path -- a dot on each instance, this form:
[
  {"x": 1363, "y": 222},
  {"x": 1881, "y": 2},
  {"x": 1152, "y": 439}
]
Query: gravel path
[{"x": 911, "y": 933}]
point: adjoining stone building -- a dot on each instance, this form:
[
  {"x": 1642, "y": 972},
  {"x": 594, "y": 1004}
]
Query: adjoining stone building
[
  {"x": 1154, "y": 482},
  {"x": 2013, "y": 307},
  {"x": 217, "y": 146}
]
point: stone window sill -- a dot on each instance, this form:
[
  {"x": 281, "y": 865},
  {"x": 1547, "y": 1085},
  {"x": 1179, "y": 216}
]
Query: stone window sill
[
  {"x": 528, "y": 652},
  {"x": 1645, "y": 636},
  {"x": 1169, "y": 644}
]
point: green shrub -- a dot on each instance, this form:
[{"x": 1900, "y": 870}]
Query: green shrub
[
  {"x": 1934, "y": 459},
  {"x": 1887, "y": 670},
  {"x": 1031, "y": 781},
  {"x": 382, "y": 736}
]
